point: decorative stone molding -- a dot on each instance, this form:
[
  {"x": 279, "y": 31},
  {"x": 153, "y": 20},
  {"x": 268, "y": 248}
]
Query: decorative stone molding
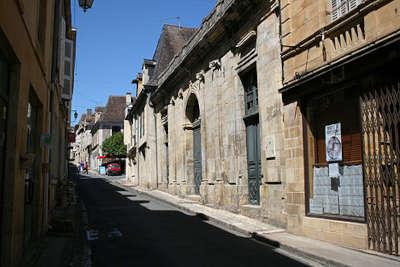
[
  {"x": 172, "y": 102},
  {"x": 215, "y": 65},
  {"x": 208, "y": 24},
  {"x": 248, "y": 37},
  {"x": 180, "y": 93},
  {"x": 201, "y": 76},
  {"x": 194, "y": 86},
  {"x": 274, "y": 4}
]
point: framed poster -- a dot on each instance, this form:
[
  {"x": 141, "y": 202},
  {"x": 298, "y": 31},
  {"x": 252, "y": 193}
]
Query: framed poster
[{"x": 333, "y": 142}]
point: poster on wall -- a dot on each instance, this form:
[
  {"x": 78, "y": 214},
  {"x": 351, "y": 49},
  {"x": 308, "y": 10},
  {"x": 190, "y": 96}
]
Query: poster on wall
[{"x": 333, "y": 141}]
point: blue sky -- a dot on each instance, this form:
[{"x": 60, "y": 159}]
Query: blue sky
[{"x": 115, "y": 36}]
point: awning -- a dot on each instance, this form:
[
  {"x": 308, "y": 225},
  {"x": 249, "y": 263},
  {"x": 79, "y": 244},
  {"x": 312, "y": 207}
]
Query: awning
[{"x": 101, "y": 157}]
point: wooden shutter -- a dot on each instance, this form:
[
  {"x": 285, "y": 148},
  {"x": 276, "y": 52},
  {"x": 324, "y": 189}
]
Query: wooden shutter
[
  {"x": 354, "y": 3},
  {"x": 334, "y": 13},
  {"x": 343, "y": 9},
  {"x": 342, "y": 109}
]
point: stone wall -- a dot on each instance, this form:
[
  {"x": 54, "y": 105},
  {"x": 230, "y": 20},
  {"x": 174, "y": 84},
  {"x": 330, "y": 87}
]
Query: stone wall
[
  {"x": 312, "y": 39},
  {"x": 220, "y": 94}
]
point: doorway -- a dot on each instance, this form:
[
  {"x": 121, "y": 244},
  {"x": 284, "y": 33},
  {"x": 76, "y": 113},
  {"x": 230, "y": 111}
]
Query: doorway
[
  {"x": 253, "y": 160},
  {"x": 251, "y": 119},
  {"x": 380, "y": 119},
  {"x": 193, "y": 114}
]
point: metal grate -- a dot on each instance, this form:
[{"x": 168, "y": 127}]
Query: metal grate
[{"x": 380, "y": 115}]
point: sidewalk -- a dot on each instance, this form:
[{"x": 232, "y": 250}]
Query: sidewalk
[
  {"x": 324, "y": 253},
  {"x": 64, "y": 244}
]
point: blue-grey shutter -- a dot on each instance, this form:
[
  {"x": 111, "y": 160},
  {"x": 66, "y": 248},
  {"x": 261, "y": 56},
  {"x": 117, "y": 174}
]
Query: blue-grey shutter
[{"x": 335, "y": 9}]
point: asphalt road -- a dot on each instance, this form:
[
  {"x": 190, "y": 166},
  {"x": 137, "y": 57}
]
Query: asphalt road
[{"x": 131, "y": 229}]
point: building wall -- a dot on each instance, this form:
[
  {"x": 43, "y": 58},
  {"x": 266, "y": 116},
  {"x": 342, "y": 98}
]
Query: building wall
[
  {"x": 312, "y": 41},
  {"x": 307, "y": 27},
  {"x": 220, "y": 95},
  {"x": 146, "y": 147},
  {"x": 31, "y": 65},
  {"x": 129, "y": 133}
]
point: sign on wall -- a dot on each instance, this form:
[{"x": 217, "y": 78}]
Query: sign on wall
[{"x": 333, "y": 141}]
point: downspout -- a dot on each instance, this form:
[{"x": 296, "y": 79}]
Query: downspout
[
  {"x": 151, "y": 104},
  {"x": 279, "y": 14}
]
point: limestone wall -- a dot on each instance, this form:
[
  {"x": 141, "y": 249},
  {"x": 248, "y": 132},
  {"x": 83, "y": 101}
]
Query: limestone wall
[
  {"x": 220, "y": 95},
  {"x": 313, "y": 39}
]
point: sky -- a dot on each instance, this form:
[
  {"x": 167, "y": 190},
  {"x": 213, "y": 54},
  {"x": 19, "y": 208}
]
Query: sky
[{"x": 113, "y": 39}]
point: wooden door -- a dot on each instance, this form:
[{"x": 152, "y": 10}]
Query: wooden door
[
  {"x": 197, "y": 158},
  {"x": 253, "y": 161}
]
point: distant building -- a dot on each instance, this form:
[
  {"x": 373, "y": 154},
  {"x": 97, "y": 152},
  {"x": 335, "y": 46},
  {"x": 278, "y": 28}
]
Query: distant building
[
  {"x": 83, "y": 137},
  {"x": 108, "y": 121},
  {"x": 129, "y": 138}
]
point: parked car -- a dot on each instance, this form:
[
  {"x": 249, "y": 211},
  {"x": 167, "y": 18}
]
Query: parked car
[{"x": 114, "y": 169}]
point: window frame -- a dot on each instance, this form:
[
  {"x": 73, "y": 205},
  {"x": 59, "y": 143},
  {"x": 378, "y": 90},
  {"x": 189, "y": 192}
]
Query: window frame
[{"x": 310, "y": 159}]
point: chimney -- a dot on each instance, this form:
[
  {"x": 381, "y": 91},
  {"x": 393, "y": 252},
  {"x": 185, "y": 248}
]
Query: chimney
[{"x": 128, "y": 98}]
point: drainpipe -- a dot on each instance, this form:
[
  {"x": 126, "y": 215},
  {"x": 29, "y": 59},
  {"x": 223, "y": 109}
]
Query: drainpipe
[
  {"x": 279, "y": 14},
  {"x": 151, "y": 104}
]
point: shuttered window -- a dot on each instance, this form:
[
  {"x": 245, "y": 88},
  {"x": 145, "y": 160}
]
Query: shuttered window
[
  {"x": 335, "y": 189},
  {"x": 340, "y": 108},
  {"x": 343, "y": 108},
  {"x": 342, "y": 7}
]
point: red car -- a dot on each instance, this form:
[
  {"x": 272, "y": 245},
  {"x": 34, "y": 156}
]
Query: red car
[{"x": 114, "y": 169}]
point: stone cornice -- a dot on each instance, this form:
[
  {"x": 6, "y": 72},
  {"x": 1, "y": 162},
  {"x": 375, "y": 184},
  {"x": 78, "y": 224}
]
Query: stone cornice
[{"x": 208, "y": 24}]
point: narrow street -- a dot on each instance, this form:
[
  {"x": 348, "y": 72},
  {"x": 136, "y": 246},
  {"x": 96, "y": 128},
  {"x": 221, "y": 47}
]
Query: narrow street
[{"x": 131, "y": 229}]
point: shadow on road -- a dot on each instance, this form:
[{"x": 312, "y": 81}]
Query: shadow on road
[{"x": 130, "y": 229}]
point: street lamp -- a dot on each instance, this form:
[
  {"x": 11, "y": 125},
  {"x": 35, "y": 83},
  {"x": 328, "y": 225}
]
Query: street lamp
[{"x": 85, "y": 4}]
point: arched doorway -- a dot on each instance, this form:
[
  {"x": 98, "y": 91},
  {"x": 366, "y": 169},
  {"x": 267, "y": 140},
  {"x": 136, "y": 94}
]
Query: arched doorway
[{"x": 193, "y": 115}]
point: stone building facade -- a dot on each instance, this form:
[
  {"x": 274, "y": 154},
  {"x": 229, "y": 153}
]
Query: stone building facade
[
  {"x": 108, "y": 121},
  {"x": 224, "y": 120},
  {"x": 143, "y": 154},
  {"x": 340, "y": 75},
  {"x": 129, "y": 140},
  {"x": 214, "y": 125},
  {"x": 34, "y": 122},
  {"x": 284, "y": 111}
]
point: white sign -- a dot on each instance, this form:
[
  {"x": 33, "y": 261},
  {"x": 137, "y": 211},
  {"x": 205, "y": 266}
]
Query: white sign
[
  {"x": 333, "y": 142},
  {"x": 270, "y": 151},
  {"x": 333, "y": 169}
]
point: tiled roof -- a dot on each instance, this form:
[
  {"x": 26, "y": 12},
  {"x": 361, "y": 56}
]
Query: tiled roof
[
  {"x": 114, "y": 110},
  {"x": 171, "y": 41}
]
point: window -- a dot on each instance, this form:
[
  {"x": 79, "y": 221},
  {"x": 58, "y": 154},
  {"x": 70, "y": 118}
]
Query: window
[
  {"x": 68, "y": 49},
  {"x": 141, "y": 125},
  {"x": 116, "y": 129},
  {"x": 67, "y": 87},
  {"x": 67, "y": 68},
  {"x": 41, "y": 33},
  {"x": 342, "y": 7},
  {"x": 335, "y": 171},
  {"x": 249, "y": 81}
]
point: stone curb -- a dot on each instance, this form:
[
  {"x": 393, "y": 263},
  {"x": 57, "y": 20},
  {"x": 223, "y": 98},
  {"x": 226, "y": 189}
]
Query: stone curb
[
  {"x": 258, "y": 236},
  {"x": 301, "y": 253}
]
